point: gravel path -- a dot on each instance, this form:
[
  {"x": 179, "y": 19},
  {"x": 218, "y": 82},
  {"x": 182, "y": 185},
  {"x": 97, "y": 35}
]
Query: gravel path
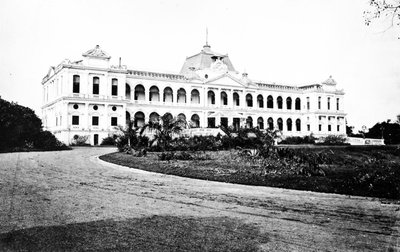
[{"x": 57, "y": 188}]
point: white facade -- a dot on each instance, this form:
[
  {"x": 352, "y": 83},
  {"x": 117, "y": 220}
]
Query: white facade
[{"x": 90, "y": 97}]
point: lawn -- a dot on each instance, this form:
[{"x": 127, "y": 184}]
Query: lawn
[{"x": 361, "y": 170}]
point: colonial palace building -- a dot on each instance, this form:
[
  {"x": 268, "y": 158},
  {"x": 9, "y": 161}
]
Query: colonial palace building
[{"x": 90, "y": 97}]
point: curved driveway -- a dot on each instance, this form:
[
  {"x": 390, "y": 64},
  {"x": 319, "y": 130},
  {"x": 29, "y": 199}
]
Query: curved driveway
[{"x": 57, "y": 188}]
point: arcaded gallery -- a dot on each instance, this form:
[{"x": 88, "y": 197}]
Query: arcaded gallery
[{"x": 91, "y": 97}]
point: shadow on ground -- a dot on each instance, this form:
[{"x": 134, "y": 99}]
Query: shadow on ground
[{"x": 156, "y": 233}]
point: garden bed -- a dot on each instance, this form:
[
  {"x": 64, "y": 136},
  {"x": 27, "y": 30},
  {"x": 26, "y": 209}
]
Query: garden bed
[{"x": 363, "y": 171}]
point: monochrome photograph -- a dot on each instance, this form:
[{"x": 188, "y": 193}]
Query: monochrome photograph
[{"x": 191, "y": 125}]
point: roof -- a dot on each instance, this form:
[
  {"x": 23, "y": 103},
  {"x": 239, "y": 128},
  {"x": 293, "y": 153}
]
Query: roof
[
  {"x": 203, "y": 60},
  {"x": 96, "y": 53}
]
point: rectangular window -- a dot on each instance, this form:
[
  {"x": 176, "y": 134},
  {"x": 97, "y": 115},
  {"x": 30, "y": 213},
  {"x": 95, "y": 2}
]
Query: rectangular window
[
  {"x": 96, "y": 85},
  {"x": 337, "y": 103},
  {"x": 211, "y": 122},
  {"x": 76, "y": 81},
  {"x": 308, "y": 127},
  {"x": 224, "y": 122},
  {"x": 308, "y": 103},
  {"x": 114, "y": 87},
  {"x": 114, "y": 90},
  {"x": 329, "y": 103},
  {"x": 114, "y": 121},
  {"x": 329, "y": 127},
  {"x": 320, "y": 127},
  {"x": 338, "y": 128},
  {"x": 75, "y": 120},
  {"x": 319, "y": 102},
  {"x": 96, "y": 89},
  {"x": 95, "y": 120}
]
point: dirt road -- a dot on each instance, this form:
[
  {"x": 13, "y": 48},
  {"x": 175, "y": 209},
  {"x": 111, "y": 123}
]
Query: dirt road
[{"x": 39, "y": 190}]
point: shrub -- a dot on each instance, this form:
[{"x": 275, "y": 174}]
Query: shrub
[
  {"x": 299, "y": 140},
  {"x": 80, "y": 140},
  {"x": 382, "y": 182},
  {"x": 182, "y": 155},
  {"x": 110, "y": 140},
  {"x": 333, "y": 140},
  {"x": 45, "y": 140}
]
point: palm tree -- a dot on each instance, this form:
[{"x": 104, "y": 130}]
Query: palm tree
[
  {"x": 164, "y": 129},
  {"x": 129, "y": 135}
]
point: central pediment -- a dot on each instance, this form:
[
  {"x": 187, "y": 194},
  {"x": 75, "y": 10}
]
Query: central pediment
[{"x": 226, "y": 80}]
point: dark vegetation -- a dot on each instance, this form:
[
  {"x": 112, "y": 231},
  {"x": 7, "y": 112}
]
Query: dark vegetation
[
  {"x": 21, "y": 130},
  {"x": 249, "y": 156},
  {"x": 387, "y": 130},
  {"x": 299, "y": 140},
  {"x": 364, "y": 171}
]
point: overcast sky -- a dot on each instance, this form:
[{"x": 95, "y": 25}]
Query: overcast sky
[{"x": 292, "y": 42}]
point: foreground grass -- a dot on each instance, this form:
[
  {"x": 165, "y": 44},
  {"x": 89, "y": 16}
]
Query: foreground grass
[
  {"x": 157, "y": 233},
  {"x": 362, "y": 171}
]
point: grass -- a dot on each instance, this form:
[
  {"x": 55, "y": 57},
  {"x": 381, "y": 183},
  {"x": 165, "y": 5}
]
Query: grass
[
  {"x": 363, "y": 171},
  {"x": 156, "y": 233}
]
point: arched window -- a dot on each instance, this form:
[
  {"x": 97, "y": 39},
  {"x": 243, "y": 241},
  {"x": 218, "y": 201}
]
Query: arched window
[
  {"x": 298, "y": 125},
  {"x": 127, "y": 91},
  {"x": 270, "y": 102},
  {"x": 167, "y": 117},
  {"x": 270, "y": 123},
  {"x": 96, "y": 85},
  {"x": 195, "y": 96},
  {"x": 288, "y": 103},
  {"x": 168, "y": 95},
  {"x": 114, "y": 87},
  {"x": 249, "y": 100},
  {"x": 289, "y": 124},
  {"x": 224, "y": 98},
  {"x": 211, "y": 98},
  {"x": 154, "y": 94},
  {"x": 249, "y": 122},
  {"x": 195, "y": 119},
  {"x": 139, "y": 119},
  {"x": 280, "y": 124},
  {"x": 181, "y": 95},
  {"x": 139, "y": 93},
  {"x": 297, "y": 105},
  {"x": 154, "y": 117},
  {"x": 76, "y": 83},
  {"x": 279, "y": 100},
  {"x": 260, "y": 123},
  {"x": 260, "y": 101},
  {"x": 236, "y": 101},
  {"x": 182, "y": 117}
]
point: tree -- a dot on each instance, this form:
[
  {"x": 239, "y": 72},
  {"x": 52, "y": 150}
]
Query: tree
[
  {"x": 20, "y": 128},
  {"x": 386, "y": 130},
  {"x": 164, "y": 130},
  {"x": 381, "y": 9}
]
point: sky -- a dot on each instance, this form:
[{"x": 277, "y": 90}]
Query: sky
[{"x": 291, "y": 42}]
